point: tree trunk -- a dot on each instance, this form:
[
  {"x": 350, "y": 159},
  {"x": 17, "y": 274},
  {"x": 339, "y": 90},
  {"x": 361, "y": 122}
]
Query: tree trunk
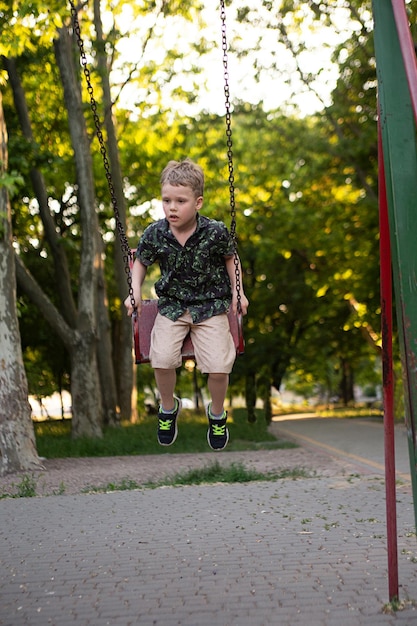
[
  {"x": 17, "y": 438},
  {"x": 78, "y": 326},
  {"x": 62, "y": 272},
  {"x": 124, "y": 365},
  {"x": 90, "y": 253},
  {"x": 85, "y": 389},
  {"x": 250, "y": 392},
  {"x": 111, "y": 414},
  {"x": 263, "y": 385},
  {"x": 81, "y": 345},
  {"x": 94, "y": 300},
  {"x": 346, "y": 383}
]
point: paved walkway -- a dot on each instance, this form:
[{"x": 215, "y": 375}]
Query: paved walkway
[
  {"x": 358, "y": 440},
  {"x": 289, "y": 552}
]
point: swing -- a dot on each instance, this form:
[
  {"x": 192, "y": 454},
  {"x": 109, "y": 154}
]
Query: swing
[
  {"x": 142, "y": 328},
  {"x": 142, "y": 324}
]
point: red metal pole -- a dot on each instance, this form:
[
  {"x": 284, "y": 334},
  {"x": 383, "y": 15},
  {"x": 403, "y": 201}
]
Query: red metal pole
[{"x": 388, "y": 381}]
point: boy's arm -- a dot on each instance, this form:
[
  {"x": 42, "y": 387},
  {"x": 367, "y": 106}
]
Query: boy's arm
[
  {"x": 231, "y": 270},
  {"x": 138, "y": 276}
]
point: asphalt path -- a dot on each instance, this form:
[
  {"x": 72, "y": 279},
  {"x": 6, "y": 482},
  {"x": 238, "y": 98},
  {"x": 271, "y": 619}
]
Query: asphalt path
[{"x": 360, "y": 439}]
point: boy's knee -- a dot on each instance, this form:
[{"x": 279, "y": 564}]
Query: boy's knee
[{"x": 218, "y": 376}]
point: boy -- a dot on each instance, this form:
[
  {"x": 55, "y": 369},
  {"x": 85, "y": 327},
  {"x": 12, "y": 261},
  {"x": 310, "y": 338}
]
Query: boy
[{"x": 196, "y": 288}]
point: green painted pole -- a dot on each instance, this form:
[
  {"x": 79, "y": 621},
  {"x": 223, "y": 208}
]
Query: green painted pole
[{"x": 398, "y": 132}]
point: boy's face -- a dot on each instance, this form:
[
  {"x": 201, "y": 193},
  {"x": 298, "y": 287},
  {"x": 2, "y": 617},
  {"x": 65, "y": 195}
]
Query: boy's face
[{"x": 180, "y": 206}]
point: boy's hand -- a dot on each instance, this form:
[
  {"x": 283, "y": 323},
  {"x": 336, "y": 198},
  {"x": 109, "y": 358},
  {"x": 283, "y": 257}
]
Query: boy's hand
[
  {"x": 244, "y": 303},
  {"x": 129, "y": 307}
]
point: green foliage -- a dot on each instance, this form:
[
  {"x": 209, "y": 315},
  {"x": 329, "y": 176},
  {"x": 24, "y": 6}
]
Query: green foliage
[
  {"x": 27, "y": 487},
  {"x": 306, "y": 188},
  {"x": 326, "y": 304},
  {"x": 395, "y": 605},
  {"x": 126, "y": 484},
  {"x": 46, "y": 361},
  {"x": 11, "y": 181},
  {"x": 19, "y": 20}
]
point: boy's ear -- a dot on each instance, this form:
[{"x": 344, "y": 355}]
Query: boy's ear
[{"x": 199, "y": 203}]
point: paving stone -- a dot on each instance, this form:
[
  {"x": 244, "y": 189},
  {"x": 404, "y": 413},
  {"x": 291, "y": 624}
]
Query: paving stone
[{"x": 251, "y": 554}]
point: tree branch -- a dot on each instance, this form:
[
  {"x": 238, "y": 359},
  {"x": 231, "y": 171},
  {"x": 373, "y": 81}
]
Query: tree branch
[
  {"x": 62, "y": 273},
  {"x": 32, "y": 289}
]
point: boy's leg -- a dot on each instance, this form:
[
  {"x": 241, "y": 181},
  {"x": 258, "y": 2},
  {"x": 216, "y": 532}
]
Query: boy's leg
[
  {"x": 165, "y": 354},
  {"x": 165, "y": 381},
  {"x": 169, "y": 408},
  {"x": 217, "y": 385},
  {"x": 215, "y": 353},
  {"x": 218, "y": 433}
]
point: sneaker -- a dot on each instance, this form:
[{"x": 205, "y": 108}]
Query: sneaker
[
  {"x": 167, "y": 425},
  {"x": 217, "y": 434}
]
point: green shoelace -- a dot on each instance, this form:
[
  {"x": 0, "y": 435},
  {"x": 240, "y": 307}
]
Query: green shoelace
[{"x": 218, "y": 430}]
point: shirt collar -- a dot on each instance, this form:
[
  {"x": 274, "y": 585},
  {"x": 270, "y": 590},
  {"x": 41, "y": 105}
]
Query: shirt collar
[{"x": 201, "y": 223}]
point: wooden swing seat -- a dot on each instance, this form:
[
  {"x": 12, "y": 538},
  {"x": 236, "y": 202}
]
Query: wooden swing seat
[
  {"x": 142, "y": 328},
  {"x": 143, "y": 324}
]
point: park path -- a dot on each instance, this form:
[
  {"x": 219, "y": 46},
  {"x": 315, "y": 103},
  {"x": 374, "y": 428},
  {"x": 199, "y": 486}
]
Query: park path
[
  {"x": 287, "y": 552},
  {"x": 360, "y": 440}
]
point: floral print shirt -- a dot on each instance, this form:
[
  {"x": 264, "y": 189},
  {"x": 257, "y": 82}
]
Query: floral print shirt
[{"x": 194, "y": 277}]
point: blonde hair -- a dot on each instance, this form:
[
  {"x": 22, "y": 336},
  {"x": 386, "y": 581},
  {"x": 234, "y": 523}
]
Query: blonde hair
[{"x": 185, "y": 173}]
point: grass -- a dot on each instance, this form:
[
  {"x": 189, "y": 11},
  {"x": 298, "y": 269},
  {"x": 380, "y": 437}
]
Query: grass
[
  {"x": 25, "y": 489},
  {"x": 341, "y": 412},
  {"x": 233, "y": 473},
  {"x": 210, "y": 474},
  {"x": 53, "y": 438},
  {"x": 349, "y": 412},
  {"x": 398, "y": 605}
]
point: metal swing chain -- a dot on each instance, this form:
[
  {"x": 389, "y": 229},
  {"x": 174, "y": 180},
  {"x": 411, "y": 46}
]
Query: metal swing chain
[
  {"x": 230, "y": 151},
  {"x": 122, "y": 235},
  {"x": 127, "y": 255}
]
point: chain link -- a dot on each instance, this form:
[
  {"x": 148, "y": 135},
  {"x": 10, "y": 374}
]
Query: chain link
[
  {"x": 127, "y": 254},
  {"x": 230, "y": 149}
]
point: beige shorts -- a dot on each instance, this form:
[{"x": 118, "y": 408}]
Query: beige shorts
[{"x": 213, "y": 343}]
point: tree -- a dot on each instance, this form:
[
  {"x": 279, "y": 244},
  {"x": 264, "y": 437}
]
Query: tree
[
  {"x": 64, "y": 233},
  {"x": 78, "y": 330},
  {"x": 17, "y": 438},
  {"x": 306, "y": 188},
  {"x": 341, "y": 246}
]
